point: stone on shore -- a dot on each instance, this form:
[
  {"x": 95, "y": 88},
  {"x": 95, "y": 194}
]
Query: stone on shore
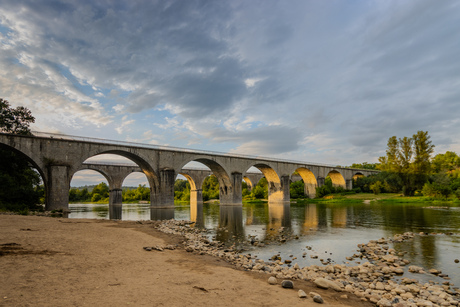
[
  {"x": 324, "y": 283},
  {"x": 302, "y": 294},
  {"x": 272, "y": 281},
  {"x": 287, "y": 284},
  {"x": 318, "y": 299}
]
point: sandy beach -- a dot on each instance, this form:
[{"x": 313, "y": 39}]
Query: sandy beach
[{"x": 69, "y": 262}]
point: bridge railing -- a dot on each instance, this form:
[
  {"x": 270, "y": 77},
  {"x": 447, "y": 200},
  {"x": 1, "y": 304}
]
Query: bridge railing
[{"x": 172, "y": 148}]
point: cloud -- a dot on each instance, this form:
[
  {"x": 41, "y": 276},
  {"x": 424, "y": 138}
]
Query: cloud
[{"x": 308, "y": 80}]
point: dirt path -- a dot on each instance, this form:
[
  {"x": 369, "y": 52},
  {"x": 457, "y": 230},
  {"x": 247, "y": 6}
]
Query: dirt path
[{"x": 66, "y": 262}]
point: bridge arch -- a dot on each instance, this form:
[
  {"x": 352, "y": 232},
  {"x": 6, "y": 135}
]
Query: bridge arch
[
  {"x": 227, "y": 193},
  {"x": 309, "y": 180},
  {"x": 152, "y": 177},
  {"x": 337, "y": 179},
  {"x": 358, "y": 175},
  {"x": 35, "y": 165},
  {"x": 276, "y": 191}
]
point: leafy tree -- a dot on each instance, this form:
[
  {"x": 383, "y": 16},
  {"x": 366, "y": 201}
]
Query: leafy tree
[
  {"x": 445, "y": 162},
  {"x": 297, "y": 189},
  {"x": 210, "y": 188},
  {"x": 15, "y": 121},
  {"x": 408, "y": 159},
  {"x": 20, "y": 183}
]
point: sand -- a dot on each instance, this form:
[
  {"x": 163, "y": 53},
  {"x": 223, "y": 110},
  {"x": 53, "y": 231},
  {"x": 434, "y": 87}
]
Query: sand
[{"x": 48, "y": 261}]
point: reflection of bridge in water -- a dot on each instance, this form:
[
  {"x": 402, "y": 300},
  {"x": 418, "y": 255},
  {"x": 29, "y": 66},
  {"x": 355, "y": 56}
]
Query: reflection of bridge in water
[
  {"x": 58, "y": 157},
  {"x": 275, "y": 218}
]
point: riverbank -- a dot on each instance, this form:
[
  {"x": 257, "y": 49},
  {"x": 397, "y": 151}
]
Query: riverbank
[{"x": 59, "y": 262}]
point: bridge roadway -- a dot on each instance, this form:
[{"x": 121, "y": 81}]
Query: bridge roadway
[{"x": 58, "y": 157}]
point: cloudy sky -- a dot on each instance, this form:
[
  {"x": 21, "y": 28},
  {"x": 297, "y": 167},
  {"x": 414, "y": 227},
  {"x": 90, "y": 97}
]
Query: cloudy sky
[{"x": 319, "y": 81}]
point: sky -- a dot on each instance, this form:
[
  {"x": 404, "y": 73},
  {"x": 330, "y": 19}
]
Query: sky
[{"x": 308, "y": 80}]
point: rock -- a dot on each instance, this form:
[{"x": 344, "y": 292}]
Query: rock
[
  {"x": 302, "y": 294},
  {"x": 456, "y": 261},
  {"x": 318, "y": 299},
  {"x": 384, "y": 303},
  {"x": 287, "y": 284},
  {"x": 415, "y": 269},
  {"x": 379, "y": 286},
  {"x": 313, "y": 294},
  {"x": 324, "y": 283},
  {"x": 272, "y": 281}
]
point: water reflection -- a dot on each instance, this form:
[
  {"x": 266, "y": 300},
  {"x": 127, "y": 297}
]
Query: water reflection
[
  {"x": 231, "y": 227},
  {"x": 197, "y": 213},
  {"x": 115, "y": 212},
  {"x": 159, "y": 214},
  {"x": 335, "y": 228}
]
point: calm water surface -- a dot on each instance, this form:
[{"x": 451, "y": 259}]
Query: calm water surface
[{"x": 331, "y": 230}]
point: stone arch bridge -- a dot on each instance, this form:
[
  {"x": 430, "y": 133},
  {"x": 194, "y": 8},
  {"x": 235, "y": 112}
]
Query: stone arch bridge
[{"x": 58, "y": 157}]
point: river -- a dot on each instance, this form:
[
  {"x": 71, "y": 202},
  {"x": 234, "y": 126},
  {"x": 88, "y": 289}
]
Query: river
[{"x": 304, "y": 231}]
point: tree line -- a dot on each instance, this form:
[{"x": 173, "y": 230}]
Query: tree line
[
  {"x": 409, "y": 168},
  {"x": 100, "y": 194}
]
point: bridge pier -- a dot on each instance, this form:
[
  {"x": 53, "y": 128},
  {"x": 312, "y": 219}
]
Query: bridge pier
[
  {"x": 115, "y": 196},
  {"x": 58, "y": 187},
  {"x": 349, "y": 184},
  {"x": 166, "y": 195},
  {"x": 232, "y": 195},
  {"x": 279, "y": 192}
]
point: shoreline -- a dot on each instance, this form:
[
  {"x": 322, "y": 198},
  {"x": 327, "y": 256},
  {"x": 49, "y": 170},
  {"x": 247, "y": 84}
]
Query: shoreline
[
  {"x": 25, "y": 243},
  {"x": 56, "y": 261}
]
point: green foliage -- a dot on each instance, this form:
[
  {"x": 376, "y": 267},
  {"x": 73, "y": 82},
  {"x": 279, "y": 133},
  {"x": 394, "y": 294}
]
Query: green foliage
[
  {"x": 408, "y": 159},
  {"x": 15, "y": 121},
  {"x": 376, "y": 187},
  {"x": 445, "y": 162},
  {"x": 181, "y": 190},
  {"x": 210, "y": 188},
  {"x": 364, "y": 165},
  {"x": 297, "y": 189}
]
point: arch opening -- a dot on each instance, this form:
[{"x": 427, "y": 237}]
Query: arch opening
[
  {"x": 23, "y": 182},
  {"x": 268, "y": 184},
  {"x": 337, "y": 179},
  {"x": 208, "y": 180},
  {"x": 118, "y": 165},
  {"x": 307, "y": 182}
]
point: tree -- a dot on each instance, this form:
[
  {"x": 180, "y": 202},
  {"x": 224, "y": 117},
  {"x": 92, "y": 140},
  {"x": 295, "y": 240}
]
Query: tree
[
  {"x": 409, "y": 159},
  {"x": 423, "y": 149},
  {"x": 20, "y": 190},
  {"x": 445, "y": 162},
  {"x": 16, "y": 120}
]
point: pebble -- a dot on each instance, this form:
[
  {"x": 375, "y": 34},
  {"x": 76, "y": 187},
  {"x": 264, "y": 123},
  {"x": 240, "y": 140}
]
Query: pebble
[
  {"x": 318, "y": 299},
  {"x": 287, "y": 284},
  {"x": 302, "y": 294},
  {"x": 272, "y": 280}
]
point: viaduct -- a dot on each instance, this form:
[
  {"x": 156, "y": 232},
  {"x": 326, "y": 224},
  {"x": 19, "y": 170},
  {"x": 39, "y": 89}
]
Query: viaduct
[{"x": 58, "y": 157}]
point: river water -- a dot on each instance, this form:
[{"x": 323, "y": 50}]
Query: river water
[{"x": 304, "y": 231}]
